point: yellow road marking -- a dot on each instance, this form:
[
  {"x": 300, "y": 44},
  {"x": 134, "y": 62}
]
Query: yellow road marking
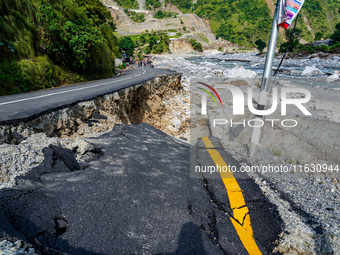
[{"x": 241, "y": 219}]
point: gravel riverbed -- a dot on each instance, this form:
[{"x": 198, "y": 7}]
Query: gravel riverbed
[{"x": 308, "y": 202}]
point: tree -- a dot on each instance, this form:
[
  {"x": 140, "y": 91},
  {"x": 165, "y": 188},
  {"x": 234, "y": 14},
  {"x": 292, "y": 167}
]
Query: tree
[
  {"x": 293, "y": 36},
  {"x": 337, "y": 26},
  {"x": 318, "y": 36},
  {"x": 295, "y": 33},
  {"x": 74, "y": 36},
  {"x": 336, "y": 35},
  {"x": 159, "y": 14},
  {"x": 129, "y": 4},
  {"x": 196, "y": 45},
  {"x": 260, "y": 45},
  {"x": 127, "y": 45},
  {"x": 142, "y": 39},
  {"x": 152, "y": 41},
  {"x": 154, "y": 3},
  {"x": 224, "y": 31}
]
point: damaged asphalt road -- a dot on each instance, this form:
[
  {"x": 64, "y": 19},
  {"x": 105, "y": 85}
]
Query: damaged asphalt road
[
  {"x": 136, "y": 198},
  {"x": 27, "y": 106}
]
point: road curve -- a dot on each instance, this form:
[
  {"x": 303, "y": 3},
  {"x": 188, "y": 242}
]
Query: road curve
[{"x": 16, "y": 108}]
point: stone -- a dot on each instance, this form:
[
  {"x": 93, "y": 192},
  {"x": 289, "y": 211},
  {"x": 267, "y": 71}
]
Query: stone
[
  {"x": 311, "y": 71},
  {"x": 335, "y": 118},
  {"x": 18, "y": 244},
  {"x": 336, "y": 58},
  {"x": 118, "y": 62},
  {"x": 332, "y": 78},
  {"x": 240, "y": 72}
]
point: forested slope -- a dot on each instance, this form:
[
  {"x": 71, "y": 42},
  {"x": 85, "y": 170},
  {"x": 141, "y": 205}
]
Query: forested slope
[
  {"x": 244, "y": 21},
  {"x": 48, "y": 43},
  {"x": 322, "y": 15}
]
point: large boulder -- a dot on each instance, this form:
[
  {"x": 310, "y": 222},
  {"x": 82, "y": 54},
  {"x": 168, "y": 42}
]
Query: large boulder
[
  {"x": 332, "y": 78},
  {"x": 240, "y": 76},
  {"x": 336, "y": 58},
  {"x": 311, "y": 71},
  {"x": 118, "y": 62},
  {"x": 240, "y": 72}
]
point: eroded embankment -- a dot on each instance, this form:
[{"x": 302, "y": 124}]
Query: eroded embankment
[
  {"x": 158, "y": 102},
  {"x": 140, "y": 103},
  {"x": 161, "y": 102}
]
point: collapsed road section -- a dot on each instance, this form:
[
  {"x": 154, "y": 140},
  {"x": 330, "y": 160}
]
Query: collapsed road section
[
  {"x": 68, "y": 111},
  {"x": 91, "y": 181},
  {"x": 137, "y": 197}
]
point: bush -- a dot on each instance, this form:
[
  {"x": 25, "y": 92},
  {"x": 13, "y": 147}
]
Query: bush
[
  {"x": 33, "y": 74},
  {"x": 161, "y": 15},
  {"x": 12, "y": 79},
  {"x": 154, "y": 3},
  {"x": 130, "y": 4},
  {"x": 260, "y": 45},
  {"x": 196, "y": 45},
  {"x": 293, "y": 44},
  {"x": 336, "y": 35},
  {"x": 136, "y": 17},
  {"x": 184, "y": 5},
  {"x": 335, "y": 48},
  {"x": 41, "y": 72},
  {"x": 318, "y": 36},
  {"x": 142, "y": 39}
]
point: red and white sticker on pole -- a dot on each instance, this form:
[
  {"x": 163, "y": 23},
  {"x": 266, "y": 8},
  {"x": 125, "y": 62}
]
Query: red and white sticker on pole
[{"x": 288, "y": 10}]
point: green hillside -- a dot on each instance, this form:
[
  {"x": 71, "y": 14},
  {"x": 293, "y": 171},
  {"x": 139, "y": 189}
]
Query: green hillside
[
  {"x": 48, "y": 43},
  {"x": 244, "y": 21},
  {"x": 322, "y": 15},
  {"x": 130, "y": 4}
]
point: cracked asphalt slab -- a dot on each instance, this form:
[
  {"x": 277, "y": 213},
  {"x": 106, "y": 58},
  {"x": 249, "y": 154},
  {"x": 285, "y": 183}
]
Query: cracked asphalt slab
[
  {"x": 265, "y": 220},
  {"x": 137, "y": 198}
]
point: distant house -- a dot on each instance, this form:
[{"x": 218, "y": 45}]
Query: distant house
[
  {"x": 172, "y": 34},
  {"x": 327, "y": 42}
]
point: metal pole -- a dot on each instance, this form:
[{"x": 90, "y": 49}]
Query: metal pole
[{"x": 255, "y": 137}]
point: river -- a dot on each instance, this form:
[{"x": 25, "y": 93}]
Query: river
[{"x": 291, "y": 69}]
